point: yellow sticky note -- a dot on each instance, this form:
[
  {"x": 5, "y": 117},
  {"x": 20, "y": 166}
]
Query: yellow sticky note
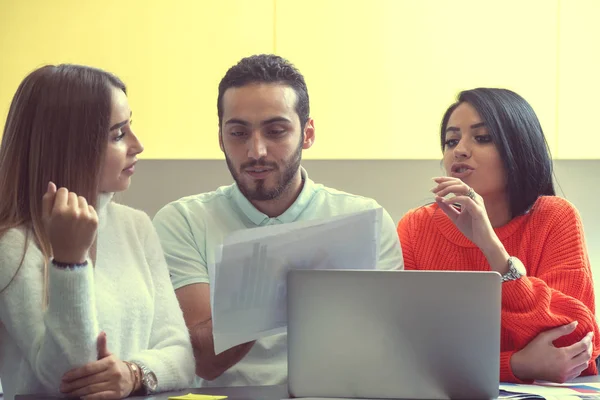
[{"x": 191, "y": 396}]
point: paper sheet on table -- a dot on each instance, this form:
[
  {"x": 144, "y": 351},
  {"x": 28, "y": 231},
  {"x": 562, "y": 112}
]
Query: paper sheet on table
[
  {"x": 192, "y": 396},
  {"x": 547, "y": 390},
  {"x": 248, "y": 278}
]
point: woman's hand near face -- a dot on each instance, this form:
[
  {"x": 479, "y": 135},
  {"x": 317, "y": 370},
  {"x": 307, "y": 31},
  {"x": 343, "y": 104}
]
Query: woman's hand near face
[
  {"x": 471, "y": 219},
  {"x": 71, "y": 224}
]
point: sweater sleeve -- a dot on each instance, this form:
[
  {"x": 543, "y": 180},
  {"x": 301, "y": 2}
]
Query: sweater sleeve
[
  {"x": 405, "y": 232},
  {"x": 557, "y": 290},
  {"x": 169, "y": 354},
  {"x": 506, "y": 373},
  {"x": 56, "y": 338}
]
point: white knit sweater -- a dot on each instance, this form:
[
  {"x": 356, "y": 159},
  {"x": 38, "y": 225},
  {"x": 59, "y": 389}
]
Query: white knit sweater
[{"x": 128, "y": 295}]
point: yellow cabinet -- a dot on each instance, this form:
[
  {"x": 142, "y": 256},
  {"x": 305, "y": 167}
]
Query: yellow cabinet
[
  {"x": 579, "y": 80},
  {"x": 171, "y": 54},
  {"x": 381, "y": 73}
]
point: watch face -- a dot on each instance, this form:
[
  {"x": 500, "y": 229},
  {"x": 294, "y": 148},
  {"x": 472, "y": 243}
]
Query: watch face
[
  {"x": 152, "y": 381},
  {"x": 518, "y": 266},
  {"x": 515, "y": 271}
]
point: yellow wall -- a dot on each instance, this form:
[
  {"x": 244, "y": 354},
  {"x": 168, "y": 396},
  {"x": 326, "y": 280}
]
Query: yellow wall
[
  {"x": 380, "y": 72},
  {"x": 171, "y": 54},
  {"x": 579, "y": 80}
]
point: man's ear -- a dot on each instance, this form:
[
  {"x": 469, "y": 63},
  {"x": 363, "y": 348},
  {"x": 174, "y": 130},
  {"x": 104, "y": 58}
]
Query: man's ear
[{"x": 309, "y": 134}]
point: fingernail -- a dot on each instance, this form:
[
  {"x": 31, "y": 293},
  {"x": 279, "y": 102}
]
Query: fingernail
[{"x": 575, "y": 323}]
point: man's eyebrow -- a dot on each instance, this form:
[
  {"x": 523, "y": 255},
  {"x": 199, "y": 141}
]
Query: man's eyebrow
[
  {"x": 276, "y": 119},
  {"x": 237, "y": 121}
]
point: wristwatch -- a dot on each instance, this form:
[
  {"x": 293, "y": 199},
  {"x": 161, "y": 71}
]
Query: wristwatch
[
  {"x": 149, "y": 381},
  {"x": 516, "y": 269}
]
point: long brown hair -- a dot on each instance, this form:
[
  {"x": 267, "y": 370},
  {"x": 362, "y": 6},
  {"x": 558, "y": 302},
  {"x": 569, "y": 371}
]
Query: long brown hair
[{"x": 56, "y": 130}]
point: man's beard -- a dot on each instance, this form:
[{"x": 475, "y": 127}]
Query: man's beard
[{"x": 260, "y": 192}]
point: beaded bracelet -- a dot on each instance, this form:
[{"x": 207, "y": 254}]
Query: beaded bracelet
[{"x": 63, "y": 265}]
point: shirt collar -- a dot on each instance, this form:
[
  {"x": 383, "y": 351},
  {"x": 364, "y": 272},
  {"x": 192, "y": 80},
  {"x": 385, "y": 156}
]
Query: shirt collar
[{"x": 289, "y": 215}]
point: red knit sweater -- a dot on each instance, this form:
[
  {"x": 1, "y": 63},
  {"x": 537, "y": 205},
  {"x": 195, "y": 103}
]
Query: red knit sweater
[{"x": 558, "y": 287}]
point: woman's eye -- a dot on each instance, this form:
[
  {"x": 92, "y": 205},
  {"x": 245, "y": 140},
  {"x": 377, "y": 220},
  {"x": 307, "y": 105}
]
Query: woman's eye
[
  {"x": 451, "y": 142},
  {"x": 483, "y": 138},
  {"x": 120, "y": 135}
]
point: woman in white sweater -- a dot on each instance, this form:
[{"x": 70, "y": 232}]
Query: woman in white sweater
[{"x": 86, "y": 303}]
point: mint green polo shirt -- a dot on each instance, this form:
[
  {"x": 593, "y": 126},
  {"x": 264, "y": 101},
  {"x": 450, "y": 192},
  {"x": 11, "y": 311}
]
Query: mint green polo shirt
[{"x": 192, "y": 228}]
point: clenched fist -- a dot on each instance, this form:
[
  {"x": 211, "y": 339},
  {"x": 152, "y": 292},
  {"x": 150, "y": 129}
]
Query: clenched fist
[{"x": 71, "y": 224}]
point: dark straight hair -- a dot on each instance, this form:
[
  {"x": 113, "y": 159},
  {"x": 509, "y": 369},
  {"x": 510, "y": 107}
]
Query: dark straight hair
[{"x": 520, "y": 140}]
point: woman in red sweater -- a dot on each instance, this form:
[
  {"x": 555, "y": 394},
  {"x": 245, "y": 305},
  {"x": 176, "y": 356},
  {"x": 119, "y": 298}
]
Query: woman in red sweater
[{"x": 496, "y": 210}]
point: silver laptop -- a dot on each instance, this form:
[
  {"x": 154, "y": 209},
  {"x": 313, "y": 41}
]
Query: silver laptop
[{"x": 394, "y": 334}]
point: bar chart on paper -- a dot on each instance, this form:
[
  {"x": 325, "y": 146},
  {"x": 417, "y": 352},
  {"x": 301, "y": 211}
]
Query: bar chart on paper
[{"x": 248, "y": 280}]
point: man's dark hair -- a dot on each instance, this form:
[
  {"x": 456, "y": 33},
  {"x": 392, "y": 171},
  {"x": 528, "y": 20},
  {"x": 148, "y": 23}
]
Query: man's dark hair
[{"x": 266, "y": 68}]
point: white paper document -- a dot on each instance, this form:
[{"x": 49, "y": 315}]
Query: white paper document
[
  {"x": 550, "y": 391},
  {"x": 248, "y": 279}
]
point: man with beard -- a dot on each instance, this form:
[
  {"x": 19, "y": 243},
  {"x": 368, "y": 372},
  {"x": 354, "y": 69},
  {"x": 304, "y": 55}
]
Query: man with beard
[{"x": 264, "y": 125}]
